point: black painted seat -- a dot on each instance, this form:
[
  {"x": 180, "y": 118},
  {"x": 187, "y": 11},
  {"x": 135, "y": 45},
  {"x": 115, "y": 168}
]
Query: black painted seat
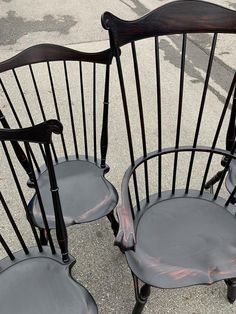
[
  {"x": 41, "y": 283},
  {"x": 84, "y": 192},
  {"x": 35, "y": 279},
  {"x": 183, "y": 241}
]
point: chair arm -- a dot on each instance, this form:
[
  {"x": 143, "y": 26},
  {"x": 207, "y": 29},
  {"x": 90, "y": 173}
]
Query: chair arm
[
  {"x": 40, "y": 133},
  {"x": 125, "y": 238}
]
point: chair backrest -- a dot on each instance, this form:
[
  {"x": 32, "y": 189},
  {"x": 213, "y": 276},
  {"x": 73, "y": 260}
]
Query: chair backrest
[
  {"x": 181, "y": 115},
  {"x": 52, "y": 82},
  {"x": 15, "y": 194}
]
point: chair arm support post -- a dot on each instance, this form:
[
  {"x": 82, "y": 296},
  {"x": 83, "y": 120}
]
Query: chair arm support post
[{"x": 125, "y": 238}]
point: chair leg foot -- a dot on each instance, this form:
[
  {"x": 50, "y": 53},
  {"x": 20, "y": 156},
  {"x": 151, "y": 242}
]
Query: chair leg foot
[
  {"x": 141, "y": 299},
  {"x": 43, "y": 237},
  {"x": 114, "y": 223},
  {"x": 231, "y": 289}
]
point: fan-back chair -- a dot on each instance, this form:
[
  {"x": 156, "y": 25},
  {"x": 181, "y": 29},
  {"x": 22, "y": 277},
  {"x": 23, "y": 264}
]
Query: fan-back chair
[
  {"x": 53, "y": 82},
  {"x": 174, "y": 232}
]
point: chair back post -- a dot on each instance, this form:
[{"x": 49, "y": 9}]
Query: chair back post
[
  {"x": 60, "y": 223},
  {"x": 230, "y": 136},
  {"x": 104, "y": 134}
]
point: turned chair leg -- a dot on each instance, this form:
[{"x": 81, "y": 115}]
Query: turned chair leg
[
  {"x": 43, "y": 237},
  {"x": 141, "y": 296},
  {"x": 231, "y": 289},
  {"x": 114, "y": 223},
  {"x": 141, "y": 300}
]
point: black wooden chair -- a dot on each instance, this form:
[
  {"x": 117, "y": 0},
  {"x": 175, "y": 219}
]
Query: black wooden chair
[
  {"x": 53, "y": 82},
  {"x": 34, "y": 279},
  {"x": 174, "y": 232}
]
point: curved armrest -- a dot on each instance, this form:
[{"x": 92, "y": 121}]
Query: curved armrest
[
  {"x": 40, "y": 133},
  {"x": 125, "y": 238}
]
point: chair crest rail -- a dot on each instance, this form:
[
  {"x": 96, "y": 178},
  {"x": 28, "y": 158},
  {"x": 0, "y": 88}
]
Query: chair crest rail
[
  {"x": 50, "y": 52},
  {"x": 173, "y": 18}
]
